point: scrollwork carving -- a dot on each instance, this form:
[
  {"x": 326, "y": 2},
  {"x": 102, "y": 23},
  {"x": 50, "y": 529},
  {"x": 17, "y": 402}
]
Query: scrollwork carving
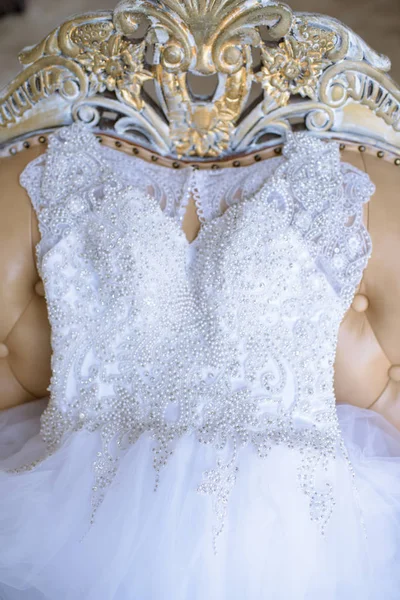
[
  {"x": 364, "y": 85},
  {"x": 313, "y": 71},
  {"x": 42, "y": 80},
  {"x": 204, "y": 35}
]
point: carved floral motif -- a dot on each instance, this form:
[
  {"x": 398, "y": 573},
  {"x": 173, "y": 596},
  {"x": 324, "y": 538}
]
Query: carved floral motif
[
  {"x": 295, "y": 66},
  {"x": 203, "y": 130},
  {"x": 114, "y": 64}
]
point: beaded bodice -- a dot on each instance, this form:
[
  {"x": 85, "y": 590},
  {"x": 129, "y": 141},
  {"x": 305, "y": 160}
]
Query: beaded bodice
[{"x": 230, "y": 338}]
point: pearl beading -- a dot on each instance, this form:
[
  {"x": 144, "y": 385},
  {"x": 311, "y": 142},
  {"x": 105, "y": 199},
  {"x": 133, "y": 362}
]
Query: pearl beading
[{"x": 235, "y": 346}]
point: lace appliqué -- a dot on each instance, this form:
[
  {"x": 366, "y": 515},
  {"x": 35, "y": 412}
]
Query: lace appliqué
[
  {"x": 328, "y": 211},
  {"x": 236, "y": 347},
  {"x": 213, "y": 190}
]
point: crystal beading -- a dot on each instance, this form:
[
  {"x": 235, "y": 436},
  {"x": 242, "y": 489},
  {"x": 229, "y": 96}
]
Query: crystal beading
[{"x": 236, "y": 346}]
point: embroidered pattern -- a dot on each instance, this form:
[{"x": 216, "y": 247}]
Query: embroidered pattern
[{"x": 231, "y": 339}]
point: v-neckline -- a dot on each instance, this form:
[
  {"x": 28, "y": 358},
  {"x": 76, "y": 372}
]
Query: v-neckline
[
  {"x": 218, "y": 219},
  {"x": 191, "y": 184},
  {"x": 203, "y": 226},
  {"x": 206, "y": 225}
]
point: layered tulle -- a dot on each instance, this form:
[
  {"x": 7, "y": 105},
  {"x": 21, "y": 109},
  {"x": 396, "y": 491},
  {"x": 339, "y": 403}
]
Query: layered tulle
[{"x": 148, "y": 545}]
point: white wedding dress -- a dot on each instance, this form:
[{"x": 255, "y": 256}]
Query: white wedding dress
[{"x": 191, "y": 448}]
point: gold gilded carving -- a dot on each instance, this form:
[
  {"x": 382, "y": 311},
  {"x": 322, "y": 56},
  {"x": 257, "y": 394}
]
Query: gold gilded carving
[
  {"x": 204, "y": 36},
  {"x": 313, "y": 72},
  {"x": 204, "y": 131},
  {"x": 294, "y": 67},
  {"x": 50, "y": 69},
  {"x": 113, "y": 62},
  {"x": 203, "y": 128}
]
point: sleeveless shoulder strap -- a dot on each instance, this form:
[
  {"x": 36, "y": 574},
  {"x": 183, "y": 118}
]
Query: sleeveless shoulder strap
[
  {"x": 323, "y": 199},
  {"x": 62, "y": 182}
]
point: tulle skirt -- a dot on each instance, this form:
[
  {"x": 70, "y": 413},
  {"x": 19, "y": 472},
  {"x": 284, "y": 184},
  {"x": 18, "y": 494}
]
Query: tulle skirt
[{"x": 147, "y": 545}]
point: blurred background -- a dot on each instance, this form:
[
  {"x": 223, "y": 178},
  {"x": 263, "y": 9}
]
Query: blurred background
[{"x": 26, "y": 22}]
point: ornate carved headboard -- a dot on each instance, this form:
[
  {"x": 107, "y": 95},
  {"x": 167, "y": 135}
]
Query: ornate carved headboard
[
  {"x": 204, "y": 79},
  {"x": 213, "y": 83}
]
